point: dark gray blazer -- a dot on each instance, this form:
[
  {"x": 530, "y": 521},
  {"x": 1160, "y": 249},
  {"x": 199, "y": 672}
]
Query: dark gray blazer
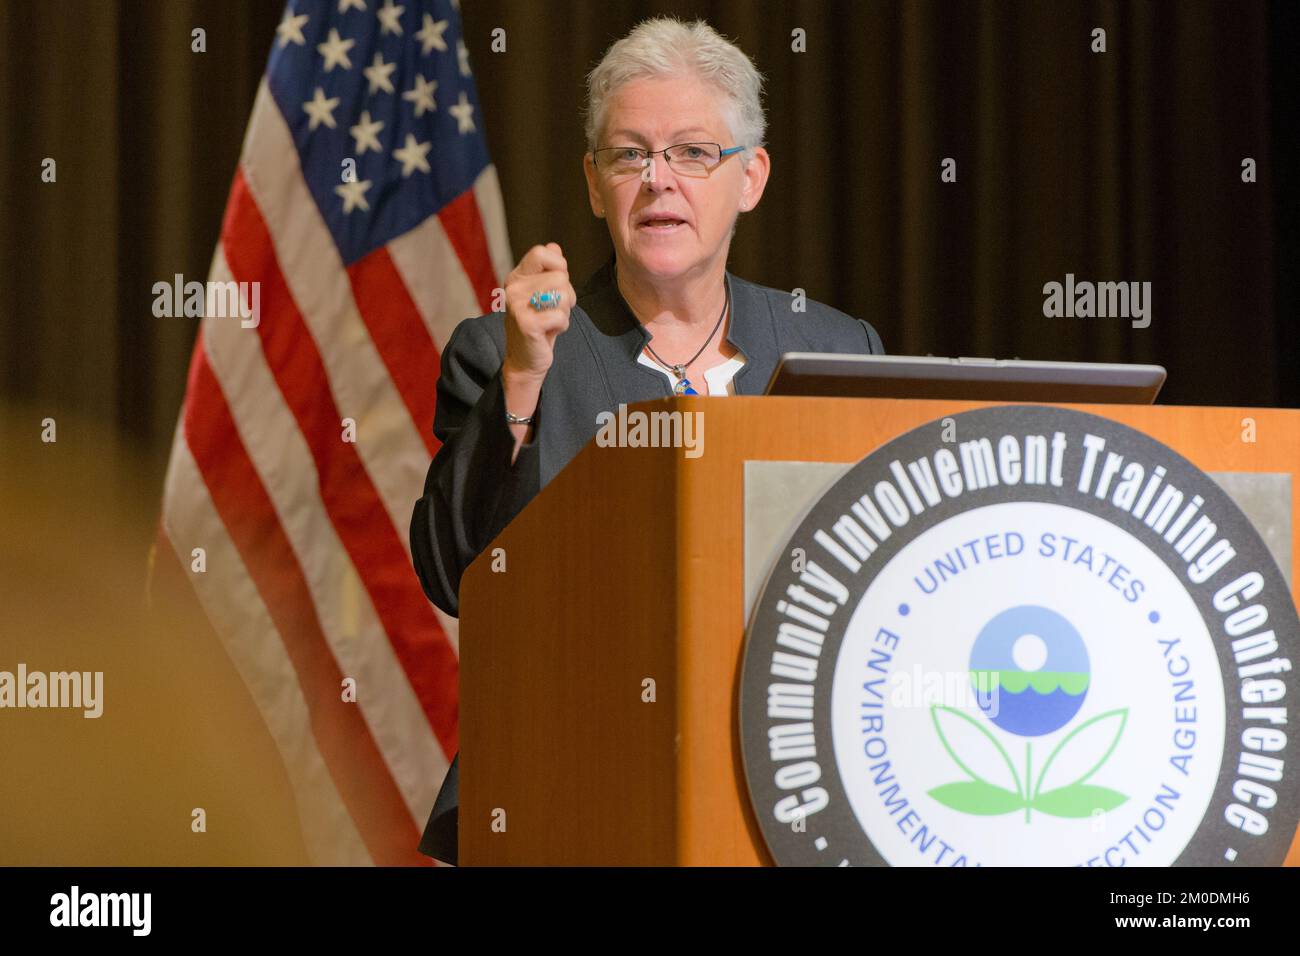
[{"x": 472, "y": 491}]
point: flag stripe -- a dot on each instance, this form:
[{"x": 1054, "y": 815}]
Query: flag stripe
[
  {"x": 348, "y": 619},
  {"x": 492, "y": 211},
  {"x": 400, "y": 336},
  {"x": 443, "y": 298},
  {"x": 356, "y": 766},
  {"x": 460, "y": 218},
  {"x": 350, "y": 498}
]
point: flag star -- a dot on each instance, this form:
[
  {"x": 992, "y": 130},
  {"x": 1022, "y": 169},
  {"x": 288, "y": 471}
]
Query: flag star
[
  {"x": 335, "y": 50},
  {"x": 345, "y": 5},
  {"x": 378, "y": 74},
  {"x": 364, "y": 133},
  {"x": 462, "y": 55},
  {"x": 412, "y": 156},
  {"x": 290, "y": 30},
  {"x": 464, "y": 113},
  {"x": 354, "y": 195},
  {"x": 431, "y": 35},
  {"x": 320, "y": 109},
  {"x": 389, "y": 21},
  {"x": 422, "y": 95}
]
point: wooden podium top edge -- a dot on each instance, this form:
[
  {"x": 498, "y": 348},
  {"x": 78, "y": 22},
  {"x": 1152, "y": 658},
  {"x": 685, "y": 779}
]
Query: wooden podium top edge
[{"x": 687, "y": 401}]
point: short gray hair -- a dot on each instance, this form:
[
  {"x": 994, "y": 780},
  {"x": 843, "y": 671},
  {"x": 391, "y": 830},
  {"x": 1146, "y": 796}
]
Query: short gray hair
[{"x": 665, "y": 47}]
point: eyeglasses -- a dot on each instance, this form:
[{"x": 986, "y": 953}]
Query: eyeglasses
[{"x": 686, "y": 159}]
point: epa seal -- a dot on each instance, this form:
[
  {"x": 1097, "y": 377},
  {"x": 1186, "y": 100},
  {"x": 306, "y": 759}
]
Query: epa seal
[{"x": 1023, "y": 635}]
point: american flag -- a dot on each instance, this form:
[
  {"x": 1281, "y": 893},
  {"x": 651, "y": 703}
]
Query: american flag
[{"x": 366, "y": 207}]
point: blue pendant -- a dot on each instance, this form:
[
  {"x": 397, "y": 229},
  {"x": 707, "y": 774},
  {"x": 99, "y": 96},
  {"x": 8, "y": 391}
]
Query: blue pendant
[{"x": 684, "y": 388}]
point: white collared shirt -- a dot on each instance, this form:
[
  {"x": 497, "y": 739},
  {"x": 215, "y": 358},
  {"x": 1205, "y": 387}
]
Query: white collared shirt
[{"x": 719, "y": 378}]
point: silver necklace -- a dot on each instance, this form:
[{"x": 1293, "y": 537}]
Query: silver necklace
[{"x": 683, "y": 386}]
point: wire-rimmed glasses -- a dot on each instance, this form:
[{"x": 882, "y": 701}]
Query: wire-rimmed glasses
[{"x": 686, "y": 159}]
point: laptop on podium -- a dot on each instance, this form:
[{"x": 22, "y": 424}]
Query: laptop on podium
[{"x": 969, "y": 379}]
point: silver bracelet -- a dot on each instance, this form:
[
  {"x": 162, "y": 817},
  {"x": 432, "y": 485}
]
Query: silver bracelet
[{"x": 516, "y": 420}]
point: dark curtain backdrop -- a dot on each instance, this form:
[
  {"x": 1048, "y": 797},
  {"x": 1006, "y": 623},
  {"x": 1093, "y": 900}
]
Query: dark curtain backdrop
[{"x": 1121, "y": 166}]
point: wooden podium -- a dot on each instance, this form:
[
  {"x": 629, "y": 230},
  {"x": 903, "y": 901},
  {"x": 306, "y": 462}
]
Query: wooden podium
[{"x": 623, "y": 579}]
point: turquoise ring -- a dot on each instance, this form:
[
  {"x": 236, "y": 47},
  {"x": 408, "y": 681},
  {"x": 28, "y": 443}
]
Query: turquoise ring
[{"x": 545, "y": 300}]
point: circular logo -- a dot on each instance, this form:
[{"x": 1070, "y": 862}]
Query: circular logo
[
  {"x": 1022, "y": 635},
  {"x": 1038, "y": 663}
]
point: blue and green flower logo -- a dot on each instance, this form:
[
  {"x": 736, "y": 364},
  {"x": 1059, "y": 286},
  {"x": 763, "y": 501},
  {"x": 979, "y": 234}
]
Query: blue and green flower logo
[{"x": 1031, "y": 674}]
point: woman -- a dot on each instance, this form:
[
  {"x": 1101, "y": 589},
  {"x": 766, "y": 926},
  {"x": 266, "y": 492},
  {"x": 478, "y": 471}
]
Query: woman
[{"x": 675, "y": 129}]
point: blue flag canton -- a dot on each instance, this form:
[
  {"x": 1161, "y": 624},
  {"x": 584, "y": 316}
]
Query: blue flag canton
[{"x": 381, "y": 104}]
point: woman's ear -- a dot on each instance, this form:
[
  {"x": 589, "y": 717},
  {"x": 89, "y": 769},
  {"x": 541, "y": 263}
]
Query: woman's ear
[{"x": 756, "y": 173}]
